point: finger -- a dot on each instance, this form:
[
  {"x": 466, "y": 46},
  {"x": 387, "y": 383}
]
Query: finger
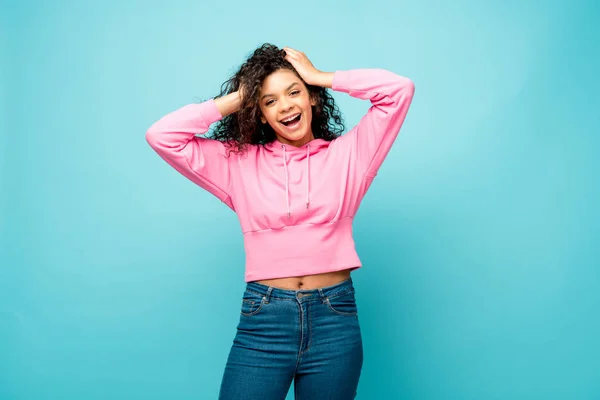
[
  {"x": 289, "y": 50},
  {"x": 298, "y": 52},
  {"x": 291, "y": 57},
  {"x": 299, "y": 55}
]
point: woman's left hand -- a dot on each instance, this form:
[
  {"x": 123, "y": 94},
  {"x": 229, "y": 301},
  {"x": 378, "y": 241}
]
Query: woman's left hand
[{"x": 303, "y": 66}]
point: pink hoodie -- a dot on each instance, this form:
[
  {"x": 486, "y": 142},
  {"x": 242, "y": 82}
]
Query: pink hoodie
[{"x": 295, "y": 204}]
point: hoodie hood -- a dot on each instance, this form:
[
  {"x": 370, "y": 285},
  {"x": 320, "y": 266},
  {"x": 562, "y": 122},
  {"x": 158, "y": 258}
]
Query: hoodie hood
[{"x": 315, "y": 145}]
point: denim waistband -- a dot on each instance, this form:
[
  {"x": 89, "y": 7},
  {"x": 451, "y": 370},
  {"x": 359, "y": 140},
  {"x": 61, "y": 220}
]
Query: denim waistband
[{"x": 329, "y": 291}]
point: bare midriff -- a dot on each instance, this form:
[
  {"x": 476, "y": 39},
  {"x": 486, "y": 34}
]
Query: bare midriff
[{"x": 308, "y": 282}]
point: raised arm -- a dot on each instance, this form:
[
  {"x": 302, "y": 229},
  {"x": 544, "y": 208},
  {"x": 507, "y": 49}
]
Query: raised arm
[
  {"x": 390, "y": 96},
  {"x": 202, "y": 160}
]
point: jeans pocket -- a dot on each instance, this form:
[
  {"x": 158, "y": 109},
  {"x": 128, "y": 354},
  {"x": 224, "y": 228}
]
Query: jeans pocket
[
  {"x": 343, "y": 304},
  {"x": 252, "y": 303}
]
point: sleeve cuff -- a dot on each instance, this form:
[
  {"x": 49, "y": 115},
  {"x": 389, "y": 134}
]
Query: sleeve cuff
[{"x": 339, "y": 78}]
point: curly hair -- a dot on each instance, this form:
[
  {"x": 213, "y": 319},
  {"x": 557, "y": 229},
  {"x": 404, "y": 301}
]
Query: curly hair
[{"x": 244, "y": 127}]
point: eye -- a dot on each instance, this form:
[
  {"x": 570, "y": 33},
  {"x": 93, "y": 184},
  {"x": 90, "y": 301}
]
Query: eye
[
  {"x": 295, "y": 92},
  {"x": 269, "y": 102}
]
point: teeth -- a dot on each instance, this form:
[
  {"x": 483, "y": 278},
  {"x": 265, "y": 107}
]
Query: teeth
[{"x": 290, "y": 118}]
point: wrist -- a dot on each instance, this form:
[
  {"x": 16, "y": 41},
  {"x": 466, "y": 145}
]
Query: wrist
[
  {"x": 229, "y": 104},
  {"x": 324, "y": 79}
]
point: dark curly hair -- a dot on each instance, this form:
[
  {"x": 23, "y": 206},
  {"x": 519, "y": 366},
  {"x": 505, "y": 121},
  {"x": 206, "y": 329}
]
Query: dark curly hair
[{"x": 244, "y": 127}]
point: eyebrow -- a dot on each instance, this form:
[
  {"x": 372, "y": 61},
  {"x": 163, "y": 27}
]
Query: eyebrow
[{"x": 286, "y": 89}]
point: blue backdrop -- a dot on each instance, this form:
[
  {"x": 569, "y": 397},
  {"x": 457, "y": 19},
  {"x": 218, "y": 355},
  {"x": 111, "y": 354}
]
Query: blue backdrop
[{"x": 120, "y": 279}]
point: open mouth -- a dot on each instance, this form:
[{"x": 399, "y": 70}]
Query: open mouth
[{"x": 291, "y": 122}]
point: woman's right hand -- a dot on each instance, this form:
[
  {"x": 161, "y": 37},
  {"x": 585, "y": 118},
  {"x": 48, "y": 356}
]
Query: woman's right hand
[
  {"x": 230, "y": 103},
  {"x": 241, "y": 92}
]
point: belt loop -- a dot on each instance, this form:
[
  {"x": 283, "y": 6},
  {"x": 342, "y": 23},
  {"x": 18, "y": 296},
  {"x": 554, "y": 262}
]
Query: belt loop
[
  {"x": 323, "y": 297},
  {"x": 268, "y": 295}
]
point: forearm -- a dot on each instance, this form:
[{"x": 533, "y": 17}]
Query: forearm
[
  {"x": 228, "y": 104},
  {"x": 324, "y": 79}
]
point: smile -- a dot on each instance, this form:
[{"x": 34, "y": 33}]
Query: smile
[{"x": 292, "y": 121}]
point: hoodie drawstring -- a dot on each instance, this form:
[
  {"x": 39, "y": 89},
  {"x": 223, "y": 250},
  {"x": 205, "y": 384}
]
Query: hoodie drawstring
[
  {"x": 287, "y": 183},
  {"x": 287, "y": 179},
  {"x": 307, "y": 176}
]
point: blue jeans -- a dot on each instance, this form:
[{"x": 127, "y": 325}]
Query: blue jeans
[{"x": 309, "y": 336}]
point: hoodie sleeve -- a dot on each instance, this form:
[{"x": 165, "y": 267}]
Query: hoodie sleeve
[
  {"x": 390, "y": 96},
  {"x": 202, "y": 160}
]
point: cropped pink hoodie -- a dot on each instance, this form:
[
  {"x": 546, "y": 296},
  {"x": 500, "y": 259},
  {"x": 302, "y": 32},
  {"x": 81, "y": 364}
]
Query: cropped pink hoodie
[{"x": 295, "y": 204}]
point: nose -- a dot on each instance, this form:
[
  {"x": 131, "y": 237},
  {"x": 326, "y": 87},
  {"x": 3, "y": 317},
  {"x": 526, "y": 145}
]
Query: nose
[{"x": 284, "y": 105}]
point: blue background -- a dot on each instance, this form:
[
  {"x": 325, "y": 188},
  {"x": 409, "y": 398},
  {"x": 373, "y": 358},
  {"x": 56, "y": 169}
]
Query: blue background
[{"x": 120, "y": 279}]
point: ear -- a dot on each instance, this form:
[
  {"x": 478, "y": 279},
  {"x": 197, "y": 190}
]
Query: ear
[
  {"x": 263, "y": 119},
  {"x": 313, "y": 100}
]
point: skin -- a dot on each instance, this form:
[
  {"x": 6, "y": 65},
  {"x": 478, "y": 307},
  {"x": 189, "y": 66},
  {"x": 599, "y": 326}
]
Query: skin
[{"x": 283, "y": 94}]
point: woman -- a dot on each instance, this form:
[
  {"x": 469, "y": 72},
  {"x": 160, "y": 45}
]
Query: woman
[{"x": 278, "y": 160}]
